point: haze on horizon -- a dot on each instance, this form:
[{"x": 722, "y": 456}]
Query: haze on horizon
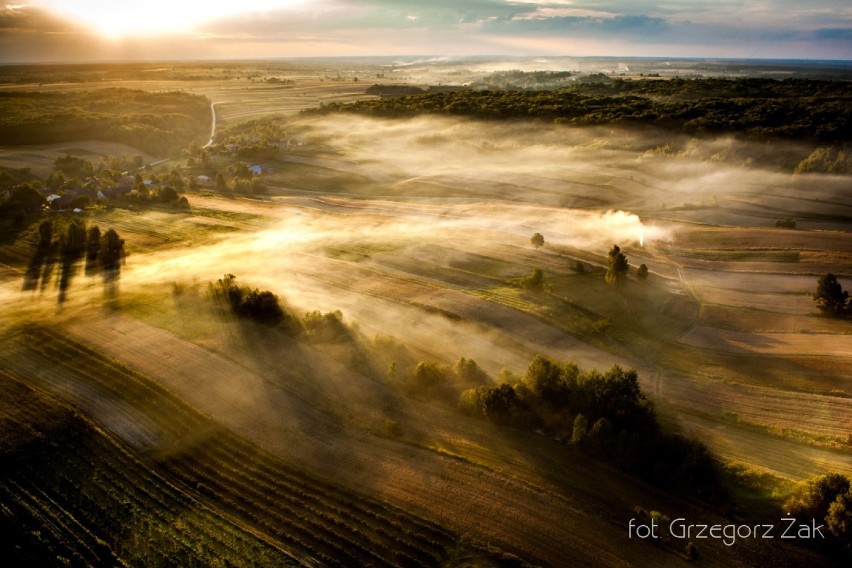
[{"x": 92, "y": 30}]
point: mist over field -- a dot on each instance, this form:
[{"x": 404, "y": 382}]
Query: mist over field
[{"x": 423, "y": 341}]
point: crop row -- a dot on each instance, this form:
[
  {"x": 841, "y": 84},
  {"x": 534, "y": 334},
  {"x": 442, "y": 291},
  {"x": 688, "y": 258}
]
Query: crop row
[
  {"x": 98, "y": 505},
  {"x": 226, "y": 473},
  {"x": 342, "y": 542},
  {"x": 384, "y": 518}
]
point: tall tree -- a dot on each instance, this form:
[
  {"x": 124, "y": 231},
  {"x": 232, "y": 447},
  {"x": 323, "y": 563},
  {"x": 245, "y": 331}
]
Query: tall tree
[
  {"x": 830, "y": 296},
  {"x": 112, "y": 250},
  {"x": 45, "y": 233},
  {"x": 642, "y": 273},
  {"x": 537, "y": 240},
  {"x": 93, "y": 241},
  {"x": 73, "y": 241},
  {"x": 617, "y": 266}
]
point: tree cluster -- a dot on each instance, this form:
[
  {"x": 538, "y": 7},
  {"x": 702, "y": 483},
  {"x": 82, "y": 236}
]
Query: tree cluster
[
  {"x": 603, "y": 414},
  {"x": 827, "y": 159},
  {"x": 264, "y": 307},
  {"x": 259, "y": 306},
  {"x": 516, "y": 80},
  {"x": 825, "y": 499},
  {"x": 533, "y": 282},
  {"x": 325, "y": 327},
  {"x": 617, "y": 266}
]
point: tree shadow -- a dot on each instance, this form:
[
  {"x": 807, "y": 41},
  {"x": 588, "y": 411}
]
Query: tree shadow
[
  {"x": 33, "y": 275},
  {"x": 69, "y": 269},
  {"x": 111, "y": 276}
]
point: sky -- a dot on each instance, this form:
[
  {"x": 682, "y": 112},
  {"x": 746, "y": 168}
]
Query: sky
[{"x": 91, "y": 30}]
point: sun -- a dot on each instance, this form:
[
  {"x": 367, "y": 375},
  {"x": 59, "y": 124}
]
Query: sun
[{"x": 154, "y": 17}]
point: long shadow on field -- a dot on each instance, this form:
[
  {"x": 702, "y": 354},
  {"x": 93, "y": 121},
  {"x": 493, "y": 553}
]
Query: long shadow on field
[{"x": 40, "y": 266}]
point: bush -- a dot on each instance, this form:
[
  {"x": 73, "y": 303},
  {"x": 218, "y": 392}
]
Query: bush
[
  {"x": 428, "y": 375},
  {"x": 830, "y": 296},
  {"x": 325, "y": 327},
  {"x": 261, "y": 307},
  {"x": 534, "y": 282}
]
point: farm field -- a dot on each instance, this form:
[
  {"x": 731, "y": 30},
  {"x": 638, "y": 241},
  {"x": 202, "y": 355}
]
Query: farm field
[{"x": 208, "y": 436}]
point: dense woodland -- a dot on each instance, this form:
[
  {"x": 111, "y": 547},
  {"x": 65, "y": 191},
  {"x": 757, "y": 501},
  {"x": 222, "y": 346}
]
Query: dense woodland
[
  {"x": 157, "y": 123},
  {"x": 793, "y": 109}
]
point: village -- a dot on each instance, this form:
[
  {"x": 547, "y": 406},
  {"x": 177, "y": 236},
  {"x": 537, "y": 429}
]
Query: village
[{"x": 76, "y": 183}]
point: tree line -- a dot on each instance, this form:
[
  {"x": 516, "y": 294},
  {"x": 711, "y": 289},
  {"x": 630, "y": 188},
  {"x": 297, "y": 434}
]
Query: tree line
[
  {"x": 69, "y": 244},
  {"x": 603, "y": 414},
  {"x": 792, "y": 108}
]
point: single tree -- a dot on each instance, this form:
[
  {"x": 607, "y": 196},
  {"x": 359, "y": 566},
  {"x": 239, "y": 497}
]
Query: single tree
[
  {"x": 580, "y": 430},
  {"x": 56, "y": 180},
  {"x": 45, "y": 234},
  {"x": 221, "y": 182},
  {"x": 112, "y": 250},
  {"x": 537, "y": 240},
  {"x": 168, "y": 195},
  {"x": 839, "y": 518},
  {"x": 93, "y": 241},
  {"x": 830, "y": 296},
  {"x": 73, "y": 242},
  {"x": 642, "y": 273},
  {"x": 28, "y": 196},
  {"x": 617, "y": 266},
  {"x": 534, "y": 282}
]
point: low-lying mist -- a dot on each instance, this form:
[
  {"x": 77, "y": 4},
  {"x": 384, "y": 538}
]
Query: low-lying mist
[{"x": 465, "y": 189}]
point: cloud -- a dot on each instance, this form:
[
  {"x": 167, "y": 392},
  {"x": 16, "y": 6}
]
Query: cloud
[
  {"x": 583, "y": 26},
  {"x": 739, "y": 28},
  {"x": 27, "y": 18}
]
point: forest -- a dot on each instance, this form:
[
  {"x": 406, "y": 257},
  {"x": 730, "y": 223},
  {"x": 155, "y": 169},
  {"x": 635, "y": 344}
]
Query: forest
[
  {"x": 157, "y": 123},
  {"x": 799, "y": 109}
]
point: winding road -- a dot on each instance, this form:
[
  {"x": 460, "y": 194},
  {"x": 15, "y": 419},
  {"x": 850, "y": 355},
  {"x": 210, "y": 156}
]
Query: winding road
[{"x": 212, "y": 126}]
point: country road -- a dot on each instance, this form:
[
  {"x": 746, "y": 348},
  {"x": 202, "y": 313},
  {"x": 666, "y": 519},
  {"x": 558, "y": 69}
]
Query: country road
[{"x": 212, "y": 126}]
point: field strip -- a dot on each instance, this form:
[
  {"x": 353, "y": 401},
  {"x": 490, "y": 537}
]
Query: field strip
[
  {"x": 99, "y": 500},
  {"x": 779, "y": 344},
  {"x": 780, "y": 457},
  {"x": 818, "y": 415},
  {"x": 523, "y": 328}
]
